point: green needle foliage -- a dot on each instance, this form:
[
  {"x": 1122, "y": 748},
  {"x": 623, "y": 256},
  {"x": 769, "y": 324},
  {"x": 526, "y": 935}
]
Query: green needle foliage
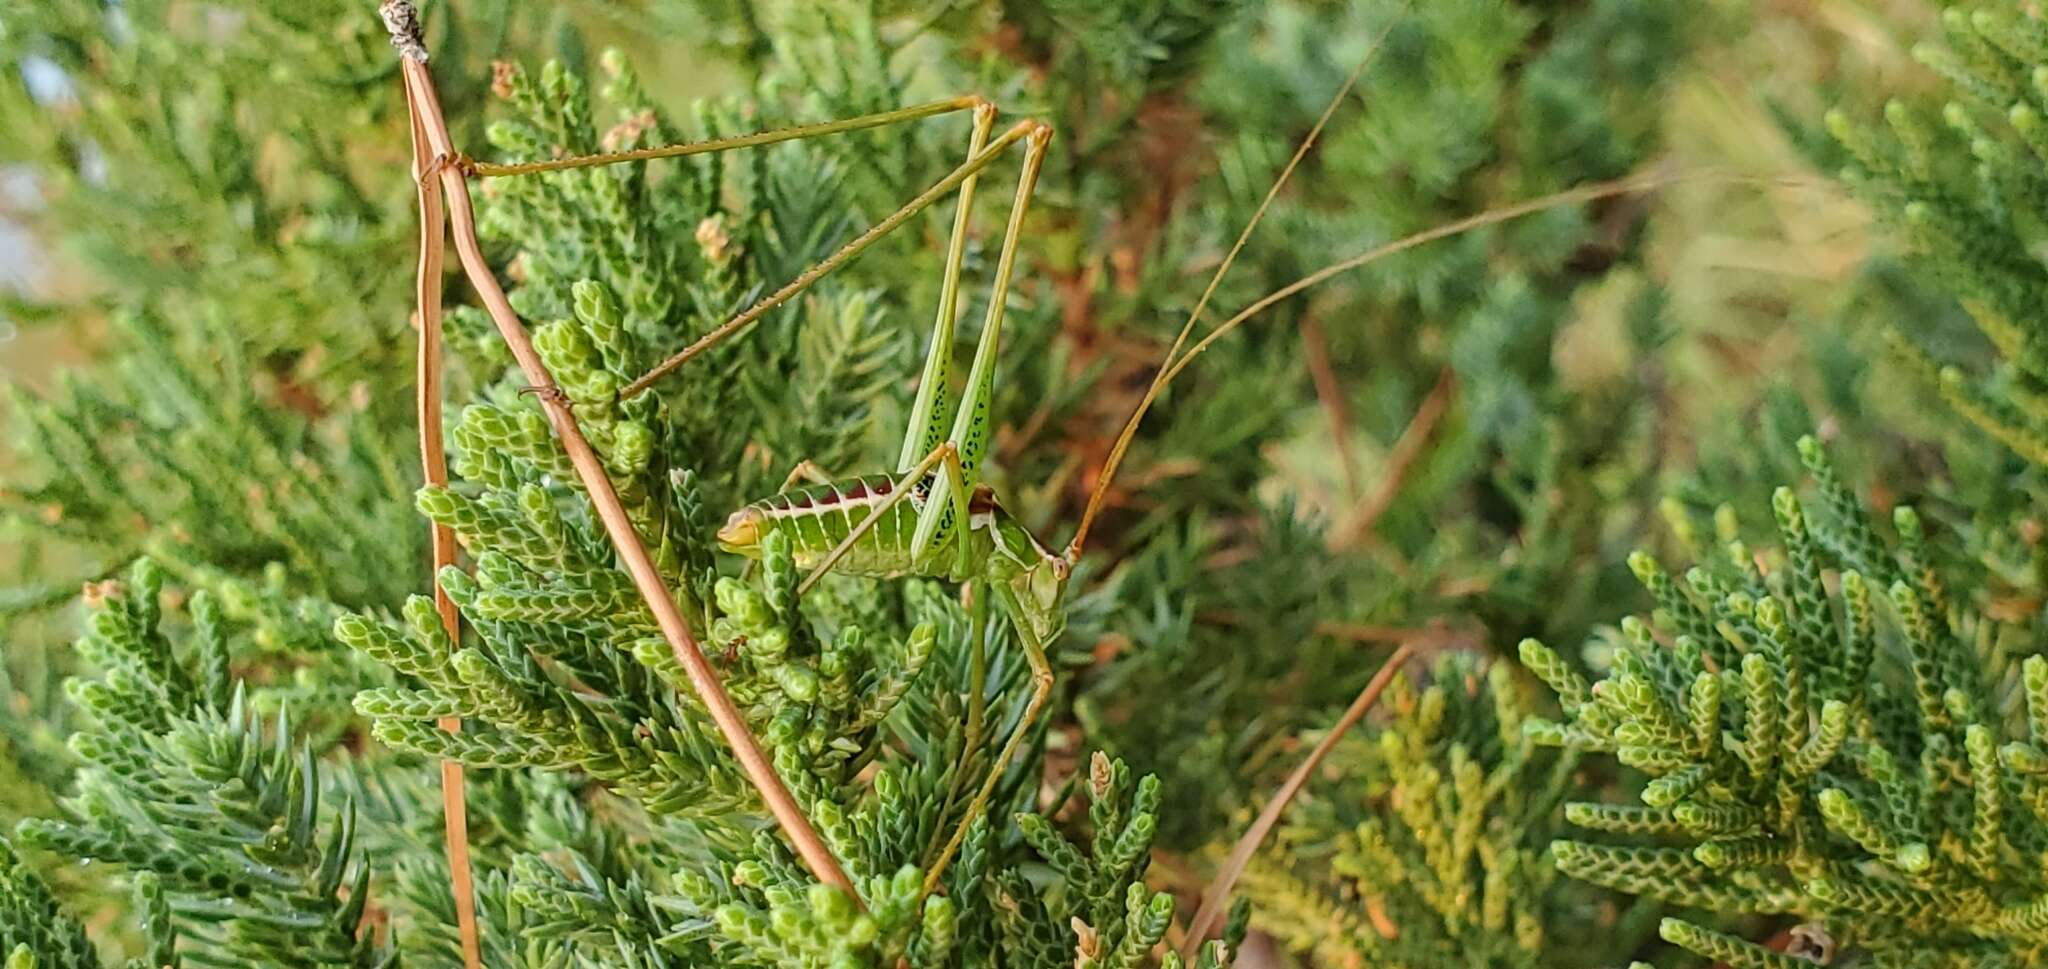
[
  {"x": 219, "y": 814},
  {"x": 34, "y": 931},
  {"x": 1830, "y": 730},
  {"x": 239, "y": 259},
  {"x": 1274, "y": 521},
  {"x": 1959, "y": 176},
  {"x": 1842, "y": 737},
  {"x": 1432, "y": 847}
]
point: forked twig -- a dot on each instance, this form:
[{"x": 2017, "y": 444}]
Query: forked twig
[
  {"x": 1248, "y": 844},
  {"x": 434, "y": 469},
  {"x": 422, "y": 100},
  {"x": 1315, "y": 351}
]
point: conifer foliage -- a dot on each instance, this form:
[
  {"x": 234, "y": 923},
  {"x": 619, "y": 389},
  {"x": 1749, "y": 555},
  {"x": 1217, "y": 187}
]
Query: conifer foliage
[
  {"x": 1432, "y": 849},
  {"x": 1838, "y": 735},
  {"x": 1961, "y": 178},
  {"x": 1828, "y": 733}
]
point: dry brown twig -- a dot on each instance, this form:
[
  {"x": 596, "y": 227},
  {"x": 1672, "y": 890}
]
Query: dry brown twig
[
  {"x": 1218, "y": 893},
  {"x": 454, "y": 170},
  {"x": 1315, "y": 351},
  {"x": 434, "y": 469},
  {"x": 1407, "y": 448}
]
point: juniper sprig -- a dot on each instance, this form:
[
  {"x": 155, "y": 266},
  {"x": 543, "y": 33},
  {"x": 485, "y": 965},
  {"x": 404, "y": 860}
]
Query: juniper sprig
[{"x": 1828, "y": 733}]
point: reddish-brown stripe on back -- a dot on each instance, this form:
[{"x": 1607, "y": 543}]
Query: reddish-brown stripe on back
[{"x": 982, "y": 501}]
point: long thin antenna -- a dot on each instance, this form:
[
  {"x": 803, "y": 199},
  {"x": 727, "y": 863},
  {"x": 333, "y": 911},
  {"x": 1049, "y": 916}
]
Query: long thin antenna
[
  {"x": 1159, "y": 379},
  {"x": 1172, "y": 367},
  {"x": 1630, "y": 184}
]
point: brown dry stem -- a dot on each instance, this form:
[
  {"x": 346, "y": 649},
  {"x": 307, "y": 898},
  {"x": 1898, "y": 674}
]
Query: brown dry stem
[{"x": 424, "y": 103}]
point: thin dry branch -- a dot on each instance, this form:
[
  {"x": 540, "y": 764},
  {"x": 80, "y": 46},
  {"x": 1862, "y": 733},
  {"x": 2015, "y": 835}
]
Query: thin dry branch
[
  {"x": 425, "y": 105},
  {"x": 1218, "y": 893},
  {"x": 434, "y": 469},
  {"x": 1407, "y": 448},
  {"x": 1315, "y": 351}
]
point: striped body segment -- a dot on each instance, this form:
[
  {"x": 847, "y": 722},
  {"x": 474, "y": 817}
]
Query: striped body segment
[
  {"x": 818, "y": 518},
  {"x": 1027, "y": 578}
]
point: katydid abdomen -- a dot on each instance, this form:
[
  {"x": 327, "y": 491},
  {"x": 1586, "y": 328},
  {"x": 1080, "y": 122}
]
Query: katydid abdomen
[
  {"x": 1027, "y": 578},
  {"x": 818, "y": 518}
]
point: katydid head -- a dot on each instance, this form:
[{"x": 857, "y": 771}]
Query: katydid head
[
  {"x": 1030, "y": 578},
  {"x": 742, "y": 532}
]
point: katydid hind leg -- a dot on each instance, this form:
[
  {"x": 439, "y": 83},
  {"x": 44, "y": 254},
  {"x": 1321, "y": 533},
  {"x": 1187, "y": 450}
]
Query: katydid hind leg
[
  {"x": 932, "y": 411},
  {"x": 971, "y": 424}
]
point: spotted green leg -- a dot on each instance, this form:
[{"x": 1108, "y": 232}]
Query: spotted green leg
[{"x": 971, "y": 424}]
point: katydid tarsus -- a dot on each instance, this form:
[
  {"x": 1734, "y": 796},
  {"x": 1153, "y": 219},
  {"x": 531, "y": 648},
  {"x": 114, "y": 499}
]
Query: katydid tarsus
[{"x": 933, "y": 516}]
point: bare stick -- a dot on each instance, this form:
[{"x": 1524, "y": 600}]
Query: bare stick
[
  {"x": 1241, "y": 854},
  {"x": 434, "y": 468},
  {"x": 1315, "y": 352},
  {"x": 590, "y": 469},
  {"x": 803, "y": 281}
]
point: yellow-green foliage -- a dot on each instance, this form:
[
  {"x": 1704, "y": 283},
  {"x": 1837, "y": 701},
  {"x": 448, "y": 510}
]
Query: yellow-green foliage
[
  {"x": 1431, "y": 845},
  {"x": 1963, "y": 178},
  {"x": 1831, "y": 732}
]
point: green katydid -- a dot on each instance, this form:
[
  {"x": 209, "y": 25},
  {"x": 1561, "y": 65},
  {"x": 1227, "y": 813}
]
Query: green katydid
[
  {"x": 438, "y": 160},
  {"x": 934, "y": 517},
  {"x": 937, "y": 518}
]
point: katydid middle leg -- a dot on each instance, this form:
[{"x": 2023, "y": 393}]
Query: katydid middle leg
[
  {"x": 1041, "y": 691},
  {"x": 805, "y": 470}
]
